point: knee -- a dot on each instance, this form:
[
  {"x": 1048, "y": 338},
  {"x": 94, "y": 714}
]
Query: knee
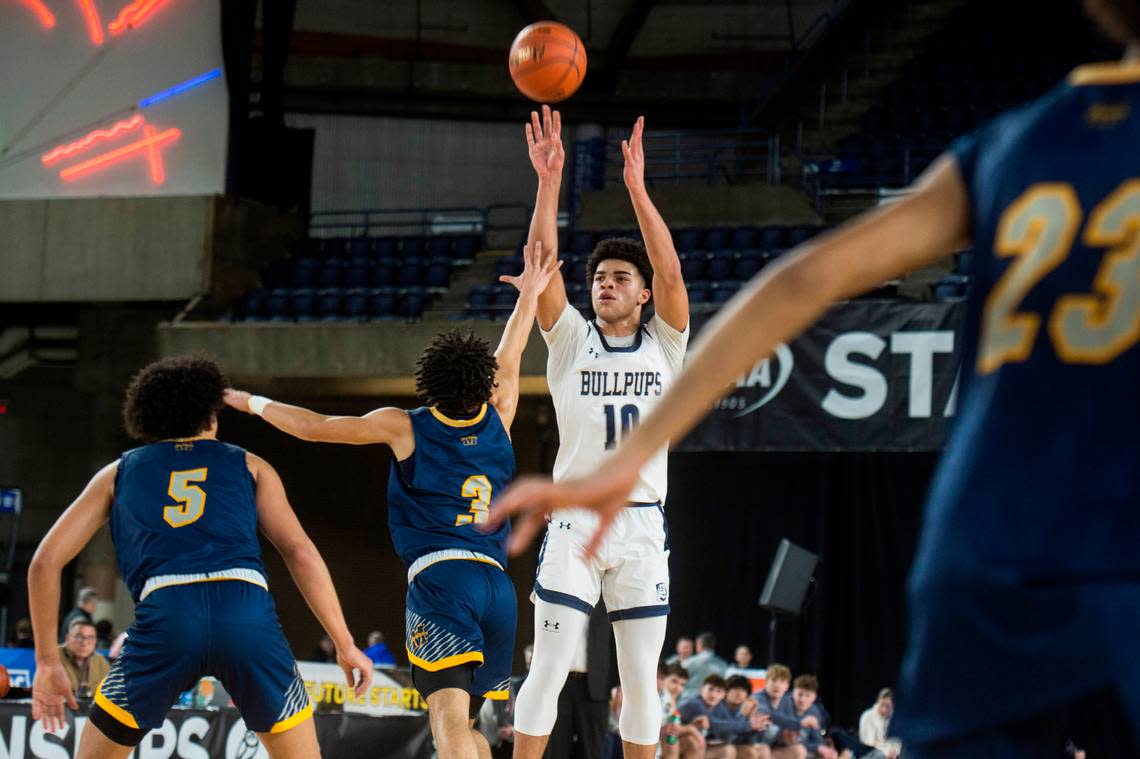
[
  {"x": 761, "y": 751},
  {"x": 799, "y": 751}
]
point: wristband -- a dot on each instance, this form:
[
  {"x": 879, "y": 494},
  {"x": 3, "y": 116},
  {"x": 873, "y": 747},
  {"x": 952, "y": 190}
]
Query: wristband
[{"x": 257, "y": 404}]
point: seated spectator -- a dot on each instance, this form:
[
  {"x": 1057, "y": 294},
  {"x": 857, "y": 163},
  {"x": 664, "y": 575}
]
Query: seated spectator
[
  {"x": 676, "y": 739},
  {"x": 742, "y": 657},
  {"x": 874, "y": 723},
  {"x": 85, "y": 668},
  {"x": 684, "y": 650},
  {"x": 804, "y": 707},
  {"x": 23, "y": 635},
  {"x": 85, "y": 602},
  {"x": 325, "y": 651},
  {"x": 103, "y": 629},
  {"x": 703, "y": 663},
  {"x": 783, "y": 733},
  {"x": 738, "y": 704},
  {"x": 378, "y": 650},
  {"x": 696, "y": 711}
]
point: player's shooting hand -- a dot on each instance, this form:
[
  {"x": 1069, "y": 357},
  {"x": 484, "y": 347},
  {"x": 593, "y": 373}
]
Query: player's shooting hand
[
  {"x": 634, "y": 153},
  {"x": 357, "y": 669},
  {"x": 544, "y": 141},
  {"x": 237, "y": 399},
  {"x": 537, "y": 271},
  {"x": 50, "y": 691}
]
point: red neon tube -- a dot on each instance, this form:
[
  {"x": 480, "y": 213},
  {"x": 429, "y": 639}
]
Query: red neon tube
[
  {"x": 64, "y": 151},
  {"x": 133, "y": 15},
  {"x": 170, "y": 135},
  {"x": 47, "y": 20},
  {"x": 94, "y": 23}
]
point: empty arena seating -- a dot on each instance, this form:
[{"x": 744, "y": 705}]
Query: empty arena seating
[
  {"x": 715, "y": 261},
  {"x": 357, "y": 278}
]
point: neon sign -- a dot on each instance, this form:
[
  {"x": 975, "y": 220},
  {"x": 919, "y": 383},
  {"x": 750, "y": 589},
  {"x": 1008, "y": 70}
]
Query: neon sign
[
  {"x": 47, "y": 20},
  {"x": 64, "y": 151},
  {"x": 94, "y": 24},
  {"x": 189, "y": 84},
  {"x": 133, "y": 15},
  {"x": 149, "y": 143}
]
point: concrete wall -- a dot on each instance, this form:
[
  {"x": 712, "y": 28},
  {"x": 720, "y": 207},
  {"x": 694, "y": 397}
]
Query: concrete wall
[{"x": 105, "y": 249}]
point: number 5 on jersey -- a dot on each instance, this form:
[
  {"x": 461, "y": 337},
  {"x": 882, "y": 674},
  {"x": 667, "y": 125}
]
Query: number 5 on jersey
[
  {"x": 478, "y": 488},
  {"x": 191, "y": 498}
]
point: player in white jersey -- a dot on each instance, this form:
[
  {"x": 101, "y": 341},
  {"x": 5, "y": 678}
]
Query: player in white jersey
[{"x": 604, "y": 375}]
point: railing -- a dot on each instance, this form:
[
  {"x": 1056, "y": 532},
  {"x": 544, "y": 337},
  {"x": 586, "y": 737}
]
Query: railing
[{"x": 499, "y": 224}]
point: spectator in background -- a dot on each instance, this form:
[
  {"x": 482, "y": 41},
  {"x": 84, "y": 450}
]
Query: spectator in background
[
  {"x": 742, "y": 657},
  {"x": 378, "y": 650},
  {"x": 684, "y": 650},
  {"x": 874, "y": 723},
  {"x": 696, "y": 712},
  {"x": 737, "y": 703},
  {"x": 671, "y": 683},
  {"x": 782, "y": 734},
  {"x": 85, "y": 668},
  {"x": 325, "y": 651},
  {"x": 23, "y": 636},
  {"x": 703, "y": 663},
  {"x": 85, "y": 602},
  {"x": 103, "y": 629},
  {"x": 803, "y": 706}
]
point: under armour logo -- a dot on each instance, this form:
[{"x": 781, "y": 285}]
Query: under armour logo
[
  {"x": 548, "y": 625},
  {"x": 564, "y": 525}
]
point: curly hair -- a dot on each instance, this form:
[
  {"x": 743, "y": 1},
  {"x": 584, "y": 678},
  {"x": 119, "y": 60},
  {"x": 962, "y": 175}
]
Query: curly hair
[
  {"x": 173, "y": 398},
  {"x": 621, "y": 249},
  {"x": 456, "y": 372}
]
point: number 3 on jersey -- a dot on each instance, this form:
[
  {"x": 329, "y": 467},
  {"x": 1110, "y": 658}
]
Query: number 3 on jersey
[
  {"x": 478, "y": 488},
  {"x": 191, "y": 498}
]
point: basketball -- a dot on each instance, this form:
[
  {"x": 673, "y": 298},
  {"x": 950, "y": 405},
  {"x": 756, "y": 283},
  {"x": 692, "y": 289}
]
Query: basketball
[
  {"x": 547, "y": 61},
  {"x": 5, "y": 682}
]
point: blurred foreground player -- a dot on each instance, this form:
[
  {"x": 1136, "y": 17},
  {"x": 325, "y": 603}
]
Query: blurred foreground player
[
  {"x": 1028, "y": 563},
  {"x": 184, "y": 510},
  {"x": 449, "y": 458}
]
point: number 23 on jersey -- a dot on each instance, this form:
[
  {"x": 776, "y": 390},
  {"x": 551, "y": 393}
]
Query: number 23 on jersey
[{"x": 1086, "y": 328}]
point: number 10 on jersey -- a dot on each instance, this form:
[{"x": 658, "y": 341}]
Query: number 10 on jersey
[{"x": 628, "y": 415}]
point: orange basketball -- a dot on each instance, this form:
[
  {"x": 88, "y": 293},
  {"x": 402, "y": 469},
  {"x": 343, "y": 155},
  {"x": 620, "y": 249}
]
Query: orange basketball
[
  {"x": 548, "y": 61},
  {"x": 5, "y": 682}
]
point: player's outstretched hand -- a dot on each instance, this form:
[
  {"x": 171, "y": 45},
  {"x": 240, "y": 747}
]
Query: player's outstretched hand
[
  {"x": 538, "y": 268},
  {"x": 357, "y": 669},
  {"x": 544, "y": 141},
  {"x": 605, "y": 492},
  {"x": 237, "y": 399},
  {"x": 50, "y": 691},
  {"x": 634, "y": 153}
]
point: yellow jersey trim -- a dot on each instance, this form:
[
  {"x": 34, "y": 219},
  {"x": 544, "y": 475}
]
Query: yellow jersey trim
[
  {"x": 447, "y": 661},
  {"x": 497, "y": 695},
  {"x": 119, "y": 713},
  {"x": 293, "y": 721},
  {"x": 459, "y": 422},
  {"x": 1122, "y": 72}
]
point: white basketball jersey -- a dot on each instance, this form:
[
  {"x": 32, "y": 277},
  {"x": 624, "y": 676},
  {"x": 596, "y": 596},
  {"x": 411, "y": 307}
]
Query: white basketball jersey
[{"x": 601, "y": 390}]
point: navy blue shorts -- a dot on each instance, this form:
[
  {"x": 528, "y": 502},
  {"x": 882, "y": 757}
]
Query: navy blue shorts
[
  {"x": 462, "y": 612},
  {"x": 226, "y": 629}
]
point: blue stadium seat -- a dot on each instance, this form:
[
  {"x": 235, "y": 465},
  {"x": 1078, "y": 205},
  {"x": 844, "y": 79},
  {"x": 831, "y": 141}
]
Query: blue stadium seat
[
  {"x": 383, "y": 273},
  {"x": 439, "y": 246},
  {"x": 304, "y": 272},
  {"x": 744, "y": 237},
  {"x": 720, "y": 266},
  {"x": 303, "y": 303},
  {"x": 773, "y": 237},
  {"x": 330, "y": 273},
  {"x": 412, "y": 302},
  {"x": 574, "y": 269},
  {"x": 410, "y": 273},
  {"x": 278, "y": 274},
  {"x": 277, "y": 304},
  {"x": 693, "y": 265},
  {"x": 251, "y": 305},
  {"x": 950, "y": 287},
  {"x": 411, "y": 246},
  {"x": 309, "y": 247},
  {"x": 479, "y": 296},
  {"x": 582, "y": 242},
  {"x": 385, "y": 247},
  {"x": 330, "y": 301},
  {"x": 800, "y": 234},
  {"x": 581, "y": 300},
  {"x": 503, "y": 299},
  {"x": 717, "y": 238},
  {"x": 357, "y": 272},
  {"x": 359, "y": 247},
  {"x": 698, "y": 291},
  {"x": 465, "y": 247},
  {"x": 382, "y": 302},
  {"x": 964, "y": 262},
  {"x": 334, "y": 247},
  {"x": 748, "y": 263},
  {"x": 509, "y": 265},
  {"x": 688, "y": 239},
  {"x": 722, "y": 291},
  {"x": 438, "y": 272},
  {"x": 356, "y": 304}
]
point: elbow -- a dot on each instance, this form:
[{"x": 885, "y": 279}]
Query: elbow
[{"x": 300, "y": 553}]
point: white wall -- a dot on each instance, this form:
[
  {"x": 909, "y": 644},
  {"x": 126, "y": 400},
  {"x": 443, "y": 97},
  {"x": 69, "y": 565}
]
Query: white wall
[
  {"x": 362, "y": 162},
  {"x": 69, "y": 86}
]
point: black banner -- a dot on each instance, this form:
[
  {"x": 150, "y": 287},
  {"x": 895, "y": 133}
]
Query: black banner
[
  {"x": 221, "y": 734},
  {"x": 870, "y": 376}
]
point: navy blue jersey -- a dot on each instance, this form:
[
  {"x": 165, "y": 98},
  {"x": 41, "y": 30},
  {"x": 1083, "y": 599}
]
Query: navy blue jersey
[
  {"x": 1024, "y": 590},
  {"x": 438, "y": 496},
  {"x": 183, "y": 508}
]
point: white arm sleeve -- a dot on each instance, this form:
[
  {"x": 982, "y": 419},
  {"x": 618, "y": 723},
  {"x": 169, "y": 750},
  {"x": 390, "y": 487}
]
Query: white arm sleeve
[{"x": 563, "y": 341}]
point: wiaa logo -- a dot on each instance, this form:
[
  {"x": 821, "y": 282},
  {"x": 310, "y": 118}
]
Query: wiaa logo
[{"x": 761, "y": 376}]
